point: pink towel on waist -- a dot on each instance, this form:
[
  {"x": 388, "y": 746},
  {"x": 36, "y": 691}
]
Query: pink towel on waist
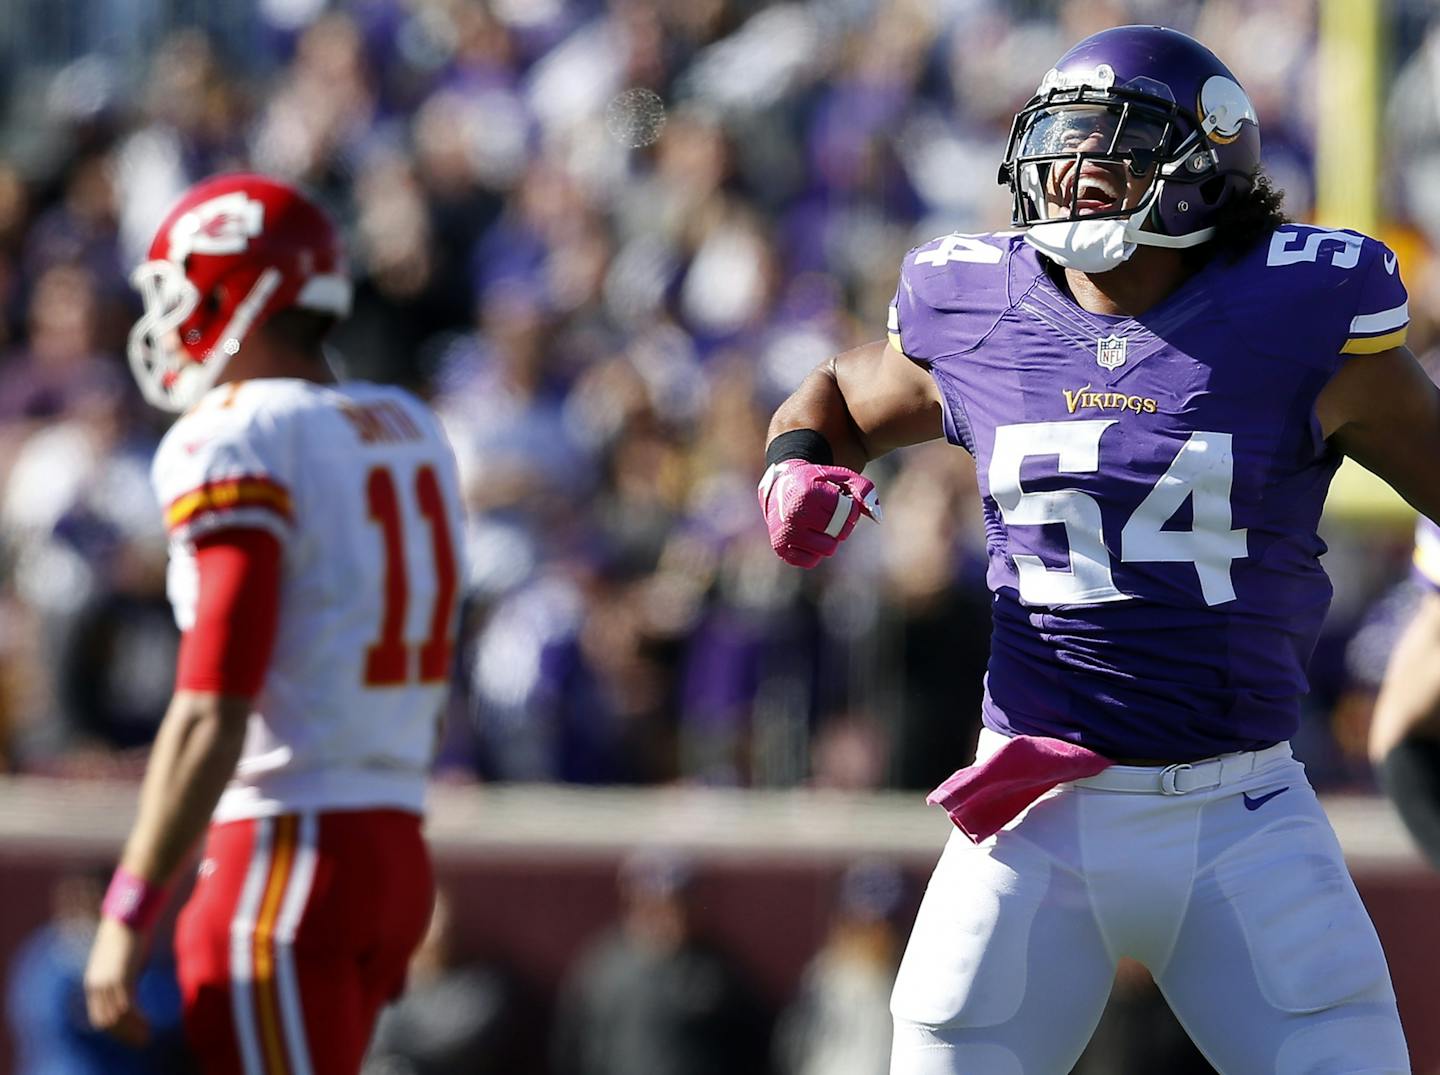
[{"x": 982, "y": 798}]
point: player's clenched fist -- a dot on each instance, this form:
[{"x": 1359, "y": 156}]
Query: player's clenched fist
[{"x": 809, "y": 509}]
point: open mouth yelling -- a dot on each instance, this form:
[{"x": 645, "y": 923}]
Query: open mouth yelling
[{"x": 1101, "y": 189}]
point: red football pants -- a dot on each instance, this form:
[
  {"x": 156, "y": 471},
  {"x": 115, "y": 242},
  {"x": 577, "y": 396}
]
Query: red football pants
[{"x": 297, "y": 933}]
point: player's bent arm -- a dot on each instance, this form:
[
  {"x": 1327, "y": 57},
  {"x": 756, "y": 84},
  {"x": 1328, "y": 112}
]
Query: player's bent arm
[
  {"x": 864, "y": 402},
  {"x": 856, "y": 406},
  {"x": 1383, "y": 411},
  {"x": 1409, "y": 700}
]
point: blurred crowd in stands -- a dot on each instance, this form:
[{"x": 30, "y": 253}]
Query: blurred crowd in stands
[{"x": 604, "y": 238}]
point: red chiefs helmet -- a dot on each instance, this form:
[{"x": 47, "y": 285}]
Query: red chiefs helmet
[{"x": 232, "y": 252}]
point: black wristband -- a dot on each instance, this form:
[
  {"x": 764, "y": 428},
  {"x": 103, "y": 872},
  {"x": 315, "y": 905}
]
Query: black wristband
[{"x": 806, "y": 444}]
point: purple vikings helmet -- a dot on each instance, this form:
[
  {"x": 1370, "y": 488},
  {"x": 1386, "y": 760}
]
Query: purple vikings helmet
[{"x": 1138, "y": 134}]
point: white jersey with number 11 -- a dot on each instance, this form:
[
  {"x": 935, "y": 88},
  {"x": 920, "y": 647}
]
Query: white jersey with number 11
[{"x": 358, "y": 483}]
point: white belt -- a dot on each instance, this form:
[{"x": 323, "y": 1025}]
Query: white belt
[{"x": 1187, "y": 776}]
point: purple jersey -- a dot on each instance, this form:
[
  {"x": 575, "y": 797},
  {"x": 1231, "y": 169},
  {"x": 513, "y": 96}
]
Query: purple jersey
[{"x": 1151, "y": 485}]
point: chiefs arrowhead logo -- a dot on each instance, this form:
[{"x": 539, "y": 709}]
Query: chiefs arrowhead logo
[{"x": 223, "y": 225}]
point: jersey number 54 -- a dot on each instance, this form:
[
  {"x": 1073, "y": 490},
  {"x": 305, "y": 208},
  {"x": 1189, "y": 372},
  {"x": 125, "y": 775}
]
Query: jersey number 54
[{"x": 1203, "y": 471}]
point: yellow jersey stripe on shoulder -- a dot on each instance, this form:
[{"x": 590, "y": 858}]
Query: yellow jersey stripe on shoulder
[
  {"x": 248, "y": 492},
  {"x": 1370, "y": 345}
]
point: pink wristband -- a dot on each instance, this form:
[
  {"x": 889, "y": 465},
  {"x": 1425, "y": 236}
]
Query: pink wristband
[{"x": 132, "y": 901}]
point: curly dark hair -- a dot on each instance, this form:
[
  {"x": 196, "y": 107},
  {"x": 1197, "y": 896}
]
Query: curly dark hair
[{"x": 1243, "y": 221}]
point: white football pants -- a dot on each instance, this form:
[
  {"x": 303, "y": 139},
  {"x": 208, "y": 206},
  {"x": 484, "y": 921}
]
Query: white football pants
[{"x": 1233, "y": 893}]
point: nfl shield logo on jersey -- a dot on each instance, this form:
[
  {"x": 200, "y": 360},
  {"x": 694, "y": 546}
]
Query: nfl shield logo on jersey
[{"x": 1110, "y": 351}]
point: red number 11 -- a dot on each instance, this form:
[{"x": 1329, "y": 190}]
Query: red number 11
[{"x": 387, "y": 662}]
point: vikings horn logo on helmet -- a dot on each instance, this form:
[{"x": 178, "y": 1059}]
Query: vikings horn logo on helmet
[{"x": 1139, "y": 135}]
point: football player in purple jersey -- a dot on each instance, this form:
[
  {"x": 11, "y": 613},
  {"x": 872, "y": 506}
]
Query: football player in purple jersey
[
  {"x": 1156, "y": 376},
  {"x": 1405, "y": 729}
]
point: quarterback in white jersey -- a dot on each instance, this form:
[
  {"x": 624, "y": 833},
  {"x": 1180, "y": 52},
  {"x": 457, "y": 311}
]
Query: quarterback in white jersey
[
  {"x": 358, "y": 484},
  {"x": 315, "y": 531}
]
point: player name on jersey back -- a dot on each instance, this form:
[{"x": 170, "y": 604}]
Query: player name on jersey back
[
  {"x": 358, "y": 482},
  {"x": 383, "y": 422}
]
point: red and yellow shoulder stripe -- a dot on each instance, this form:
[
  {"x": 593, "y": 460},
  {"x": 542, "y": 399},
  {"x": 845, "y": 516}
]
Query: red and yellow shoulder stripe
[{"x": 231, "y": 494}]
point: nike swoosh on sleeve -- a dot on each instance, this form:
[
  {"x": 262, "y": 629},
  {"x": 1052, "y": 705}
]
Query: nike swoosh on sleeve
[{"x": 1390, "y": 262}]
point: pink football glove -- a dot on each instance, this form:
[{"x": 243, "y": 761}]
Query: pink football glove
[{"x": 810, "y": 509}]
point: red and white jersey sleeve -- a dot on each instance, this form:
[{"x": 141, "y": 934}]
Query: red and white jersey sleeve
[
  {"x": 359, "y": 484},
  {"x": 218, "y": 469}
]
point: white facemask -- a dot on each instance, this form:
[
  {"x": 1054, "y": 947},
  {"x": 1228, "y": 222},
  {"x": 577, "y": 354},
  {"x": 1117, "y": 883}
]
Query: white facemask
[{"x": 1084, "y": 245}]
